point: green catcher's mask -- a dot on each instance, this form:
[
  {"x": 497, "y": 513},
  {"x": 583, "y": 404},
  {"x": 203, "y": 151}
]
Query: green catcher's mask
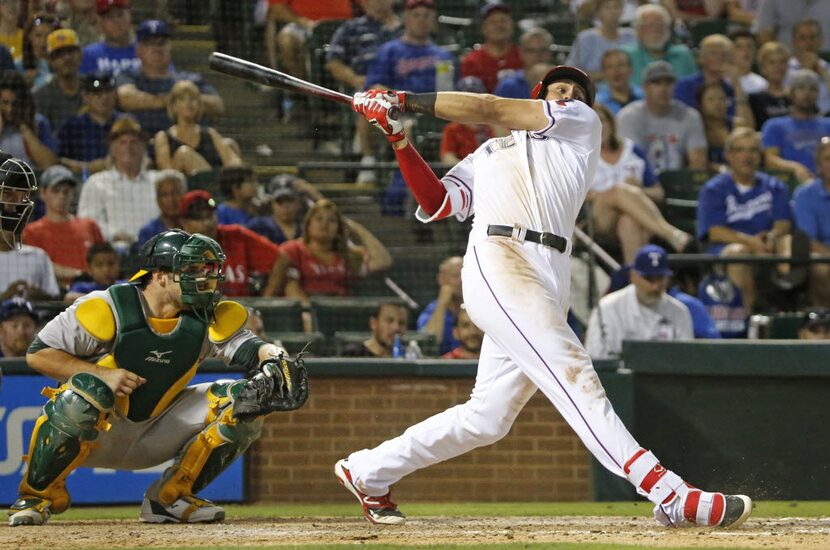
[{"x": 196, "y": 264}]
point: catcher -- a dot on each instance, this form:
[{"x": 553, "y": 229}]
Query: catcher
[{"x": 125, "y": 356}]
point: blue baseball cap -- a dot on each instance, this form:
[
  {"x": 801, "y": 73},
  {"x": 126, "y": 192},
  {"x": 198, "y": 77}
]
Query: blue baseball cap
[
  {"x": 16, "y": 306},
  {"x": 152, "y": 28},
  {"x": 652, "y": 260}
]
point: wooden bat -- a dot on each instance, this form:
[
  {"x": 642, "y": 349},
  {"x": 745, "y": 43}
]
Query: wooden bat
[{"x": 241, "y": 68}]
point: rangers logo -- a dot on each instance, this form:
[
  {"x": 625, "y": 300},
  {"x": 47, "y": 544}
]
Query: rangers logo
[{"x": 158, "y": 357}]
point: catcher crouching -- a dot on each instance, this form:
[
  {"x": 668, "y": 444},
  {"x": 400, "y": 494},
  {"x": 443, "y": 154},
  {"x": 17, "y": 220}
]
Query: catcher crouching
[{"x": 125, "y": 357}]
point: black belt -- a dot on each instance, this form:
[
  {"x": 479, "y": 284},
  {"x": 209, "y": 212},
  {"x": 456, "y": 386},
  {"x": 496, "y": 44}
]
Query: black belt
[{"x": 546, "y": 239}]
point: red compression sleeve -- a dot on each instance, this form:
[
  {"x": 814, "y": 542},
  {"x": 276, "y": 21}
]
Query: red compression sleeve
[{"x": 428, "y": 190}]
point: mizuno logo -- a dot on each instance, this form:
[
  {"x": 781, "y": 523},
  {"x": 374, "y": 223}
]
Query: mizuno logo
[{"x": 158, "y": 357}]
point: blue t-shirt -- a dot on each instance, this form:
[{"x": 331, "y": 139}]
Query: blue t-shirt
[
  {"x": 702, "y": 322},
  {"x": 449, "y": 342},
  {"x": 149, "y": 229},
  {"x": 795, "y": 139},
  {"x": 720, "y": 202},
  {"x": 81, "y": 138},
  {"x": 270, "y": 229},
  {"x": 403, "y": 66},
  {"x": 514, "y": 86},
  {"x": 99, "y": 57},
  {"x": 604, "y": 96},
  {"x": 811, "y": 209},
  {"x": 228, "y": 215},
  {"x": 356, "y": 42},
  {"x": 725, "y": 304},
  {"x": 688, "y": 87}
]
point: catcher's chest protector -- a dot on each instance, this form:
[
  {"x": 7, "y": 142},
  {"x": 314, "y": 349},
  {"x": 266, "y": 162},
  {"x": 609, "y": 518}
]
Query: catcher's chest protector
[{"x": 167, "y": 361}]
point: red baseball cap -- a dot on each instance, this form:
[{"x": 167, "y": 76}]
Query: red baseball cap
[
  {"x": 196, "y": 202},
  {"x": 103, "y": 6}
]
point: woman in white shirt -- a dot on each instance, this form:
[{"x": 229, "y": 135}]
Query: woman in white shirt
[{"x": 624, "y": 193}]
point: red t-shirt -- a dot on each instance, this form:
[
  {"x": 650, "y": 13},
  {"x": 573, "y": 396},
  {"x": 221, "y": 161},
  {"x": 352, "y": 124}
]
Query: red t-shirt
[
  {"x": 692, "y": 7},
  {"x": 67, "y": 242},
  {"x": 455, "y": 353},
  {"x": 248, "y": 253},
  {"x": 461, "y": 140},
  {"x": 318, "y": 10},
  {"x": 482, "y": 64},
  {"x": 315, "y": 277}
]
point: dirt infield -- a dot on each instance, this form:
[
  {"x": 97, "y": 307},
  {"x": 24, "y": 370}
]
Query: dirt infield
[{"x": 802, "y": 533}]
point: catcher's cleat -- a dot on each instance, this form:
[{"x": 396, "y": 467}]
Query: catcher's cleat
[
  {"x": 377, "y": 510},
  {"x": 186, "y": 509},
  {"x": 28, "y": 510},
  {"x": 737, "y": 510}
]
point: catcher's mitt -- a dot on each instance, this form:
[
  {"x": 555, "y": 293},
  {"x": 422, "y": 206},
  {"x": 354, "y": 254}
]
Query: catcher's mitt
[{"x": 280, "y": 385}]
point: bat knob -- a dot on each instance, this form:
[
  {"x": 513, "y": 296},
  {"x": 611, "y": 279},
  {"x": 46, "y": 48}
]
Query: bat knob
[{"x": 394, "y": 113}]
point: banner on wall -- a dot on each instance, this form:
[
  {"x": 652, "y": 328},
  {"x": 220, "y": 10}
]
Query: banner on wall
[{"x": 21, "y": 403}]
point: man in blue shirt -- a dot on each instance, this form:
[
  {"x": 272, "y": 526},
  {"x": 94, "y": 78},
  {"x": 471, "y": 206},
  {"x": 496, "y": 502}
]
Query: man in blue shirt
[
  {"x": 715, "y": 58},
  {"x": 440, "y": 315},
  {"x": 616, "y": 90},
  {"x": 239, "y": 188},
  {"x": 790, "y": 141},
  {"x": 534, "y": 48},
  {"x": 116, "y": 52},
  {"x": 811, "y": 208},
  {"x": 743, "y": 211}
]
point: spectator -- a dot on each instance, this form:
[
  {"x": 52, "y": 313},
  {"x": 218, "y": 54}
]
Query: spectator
[
  {"x": 35, "y": 60},
  {"x": 171, "y": 185},
  {"x": 116, "y": 52},
  {"x": 82, "y": 140},
  {"x": 668, "y": 131},
  {"x": 497, "y": 54},
  {"x": 64, "y": 237},
  {"x": 250, "y": 257},
  {"x": 84, "y": 20},
  {"x": 806, "y": 48},
  {"x": 25, "y": 133},
  {"x": 816, "y": 326},
  {"x": 746, "y": 47},
  {"x": 102, "y": 268},
  {"x": 18, "y": 323},
  {"x": 324, "y": 260},
  {"x": 123, "y": 198},
  {"x": 469, "y": 338},
  {"x": 790, "y": 141},
  {"x": 60, "y": 98},
  {"x": 653, "y": 26},
  {"x": 624, "y": 192},
  {"x": 255, "y": 323},
  {"x": 777, "y": 18},
  {"x": 239, "y": 187},
  {"x": 285, "y": 192},
  {"x": 187, "y": 146},
  {"x": 439, "y": 316},
  {"x": 616, "y": 90},
  {"x": 459, "y": 140},
  {"x": 144, "y": 91},
  {"x": 591, "y": 44},
  {"x": 11, "y": 35},
  {"x": 743, "y": 211},
  {"x": 534, "y": 49},
  {"x": 775, "y": 100},
  {"x": 811, "y": 208},
  {"x": 388, "y": 321},
  {"x": 352, "y": 49},
  {"x": 640, "y": 311},
  {"x": 714, "y": 110}
]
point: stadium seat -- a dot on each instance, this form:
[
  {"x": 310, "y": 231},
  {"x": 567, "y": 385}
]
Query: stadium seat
[
  {"x": 682, "y": 187},
  {"x": 278, "y": 314},
  {"x": 427, "y": 342},
  {"x": 699, "y": 30},
  {"x": 785, "y": 325},
  {"x": 295, "y": 342},
  {"x": 332, "y": 314}
]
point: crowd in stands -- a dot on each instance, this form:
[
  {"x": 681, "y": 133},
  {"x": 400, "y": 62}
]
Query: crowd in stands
[{"x": 123, "y": 142}]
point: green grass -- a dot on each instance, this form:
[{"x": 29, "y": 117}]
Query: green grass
[{"x": 768, "y": 509}]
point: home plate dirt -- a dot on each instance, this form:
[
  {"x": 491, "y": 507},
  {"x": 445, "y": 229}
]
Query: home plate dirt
[{"x": 801, "y": 533}]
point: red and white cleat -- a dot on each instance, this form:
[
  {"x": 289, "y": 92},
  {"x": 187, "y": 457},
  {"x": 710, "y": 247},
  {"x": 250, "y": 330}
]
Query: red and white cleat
[{"x": 377, "y": 510}]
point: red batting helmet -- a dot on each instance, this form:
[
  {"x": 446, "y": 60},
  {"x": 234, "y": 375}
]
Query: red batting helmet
[{"x": 565, "y": 72}]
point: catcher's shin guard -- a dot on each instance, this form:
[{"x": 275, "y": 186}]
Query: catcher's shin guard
[
  {"x": 213, "y": 449},
  {"x": 72, "y": 418}
]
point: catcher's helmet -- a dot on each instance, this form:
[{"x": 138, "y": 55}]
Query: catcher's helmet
[
  {"x": 566, "y": 72},
  {"x": 17, "y": 182},
  {"x": 196, "y": 263}
]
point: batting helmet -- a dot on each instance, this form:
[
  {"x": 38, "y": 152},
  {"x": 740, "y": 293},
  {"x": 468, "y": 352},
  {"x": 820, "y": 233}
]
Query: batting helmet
[
  {"x": 566, "y": 72},
  {"x": 17, "y": 182},
  {"x": 196, "y": 263}
]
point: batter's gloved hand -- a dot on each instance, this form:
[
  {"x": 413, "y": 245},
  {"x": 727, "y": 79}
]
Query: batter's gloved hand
[
  {"x": 396, "y": 99},
  {"x": 280, "y": 385}
]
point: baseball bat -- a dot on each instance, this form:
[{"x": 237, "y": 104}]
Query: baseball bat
[{"x": 246, "y": 70}]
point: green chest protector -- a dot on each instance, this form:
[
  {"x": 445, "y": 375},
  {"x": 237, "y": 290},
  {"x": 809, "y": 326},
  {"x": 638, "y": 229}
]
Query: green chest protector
[{"x": 162, "y": 359}]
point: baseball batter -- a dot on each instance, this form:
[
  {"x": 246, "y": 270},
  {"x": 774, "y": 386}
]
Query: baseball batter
[
  {"x": 125, "y": 357},
  {"x": 525, "y": 191}
]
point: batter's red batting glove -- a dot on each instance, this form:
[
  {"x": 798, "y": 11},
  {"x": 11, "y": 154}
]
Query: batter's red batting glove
[
  {"x": 384, "y": 116},
  {"x": 397, "y": 99}
]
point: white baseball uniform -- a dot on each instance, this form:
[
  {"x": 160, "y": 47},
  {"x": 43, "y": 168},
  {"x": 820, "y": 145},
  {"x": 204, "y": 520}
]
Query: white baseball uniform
[{"x": 517, "y": 292}]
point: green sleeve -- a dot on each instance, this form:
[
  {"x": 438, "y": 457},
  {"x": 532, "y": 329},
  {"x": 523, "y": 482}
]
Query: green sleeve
[
  {"x": 247, "y": 356},
  {"x": 36, "y": 345}
]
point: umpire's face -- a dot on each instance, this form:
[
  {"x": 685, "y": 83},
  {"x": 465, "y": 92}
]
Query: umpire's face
[{"x": 566, "y": 89}]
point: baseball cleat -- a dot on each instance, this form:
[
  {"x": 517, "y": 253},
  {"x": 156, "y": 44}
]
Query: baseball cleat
[
  {"x": 737, "y": 510},
  {"x": 187, "y": 509},
  {"x": 29, "y": 511},
  {"x": 377, "y": 510}
]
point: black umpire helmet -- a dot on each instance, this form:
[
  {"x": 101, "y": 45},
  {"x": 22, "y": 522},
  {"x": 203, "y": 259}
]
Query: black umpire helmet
[
  {"x": 566, "y": 72},
  {"x": 17, "y": 182}
]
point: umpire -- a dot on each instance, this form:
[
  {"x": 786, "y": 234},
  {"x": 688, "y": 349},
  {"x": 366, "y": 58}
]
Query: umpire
[{"x": 125, "y": 357}]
